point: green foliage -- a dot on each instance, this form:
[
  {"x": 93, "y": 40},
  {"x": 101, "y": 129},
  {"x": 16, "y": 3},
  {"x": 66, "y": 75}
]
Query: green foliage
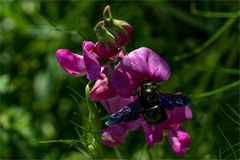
[{"x": 42, "y": 104}]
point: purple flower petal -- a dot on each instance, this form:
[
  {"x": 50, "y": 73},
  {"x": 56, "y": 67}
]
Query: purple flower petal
[
  {"x": 71, "y": 63},
  {"x": 179, "y": 140},
  {"x": 133, "y": 125},
  {"x": 138, "y": 66},
  {"x": 114, "y": 136},
  {"x": 179, "y": 115},
  {"x": 148, "y": 130},
  {"x": 102, "y": 88},
  {"x": 153, "y": 133},
  {"x": 92, "y": 64},
  {"x": 146, "y": 62},
  {"x": 114, "y": 104},
  {"x": 123, "y": 83}
]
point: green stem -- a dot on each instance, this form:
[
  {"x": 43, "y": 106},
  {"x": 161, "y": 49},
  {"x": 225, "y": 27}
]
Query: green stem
[
  {"x": 94, "y": 145},
  {"x": 219, "y": 90},
  {"x": 123, "y": 49},
  {"x": 107, "y": 14},
  {"x": 209, "y": 41}
]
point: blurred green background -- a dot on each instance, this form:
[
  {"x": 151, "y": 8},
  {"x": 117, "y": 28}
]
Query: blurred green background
[{"x": 200, "y": 41}]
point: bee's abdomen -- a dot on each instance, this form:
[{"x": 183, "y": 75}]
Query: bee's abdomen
[{"x": 155, "y": 115}]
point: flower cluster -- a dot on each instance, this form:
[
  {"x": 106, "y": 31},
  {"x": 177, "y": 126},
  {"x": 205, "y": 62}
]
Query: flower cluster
[{"x": 116, "y": 83}]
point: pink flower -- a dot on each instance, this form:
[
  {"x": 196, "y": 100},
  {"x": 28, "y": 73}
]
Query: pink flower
[
  {"x": 79, "y": 65},
  {"x": 138, "y": 66}
]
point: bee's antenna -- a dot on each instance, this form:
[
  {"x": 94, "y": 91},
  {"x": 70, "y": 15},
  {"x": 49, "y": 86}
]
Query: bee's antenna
[{"x": 155, "y": 71}]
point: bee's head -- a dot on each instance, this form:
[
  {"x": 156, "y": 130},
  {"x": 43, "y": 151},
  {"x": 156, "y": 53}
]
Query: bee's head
[{"x": 149, "y": 85}]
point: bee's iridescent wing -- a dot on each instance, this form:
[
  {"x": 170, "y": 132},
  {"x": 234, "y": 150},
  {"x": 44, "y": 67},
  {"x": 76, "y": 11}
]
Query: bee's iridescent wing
[
  {"x": 170, "y": 101},
  {"x": 128, "y": 113}
]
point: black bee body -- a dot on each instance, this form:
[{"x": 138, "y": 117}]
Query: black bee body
[
  {"x": 153, "y": 104},
  {"x": 153, "y": 112}
]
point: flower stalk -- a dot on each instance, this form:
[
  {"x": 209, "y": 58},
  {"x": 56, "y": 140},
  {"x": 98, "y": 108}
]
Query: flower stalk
[{"x": 94, "y": 146}]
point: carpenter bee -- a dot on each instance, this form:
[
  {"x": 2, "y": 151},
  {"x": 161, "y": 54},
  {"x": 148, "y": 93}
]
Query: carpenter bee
[{"x": 153, "y": 104}]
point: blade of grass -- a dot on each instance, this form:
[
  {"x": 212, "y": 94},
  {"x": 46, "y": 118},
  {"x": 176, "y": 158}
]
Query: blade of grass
[
  {"x": 218, "y": 70},
  {"x": 226, "y": 139},
  {"x": 227, "y": 115},
  {"x": 220, "y": 154},
  {"x": 214, "y": 37},
  {"x": 232, "y": 153},
  {"x": 80, "y": 137},
  {"x": 232, "y": 110},
  {"x": 83, "y": 152},
  {"x": 219, "y": 90},
  {"x": 73, "y": 90},
  {"x": 209, "y": 14},
  {"x": 67, "y": 141},
  {"x": 230, "y": 148},
  {"x": 118, "y": 153}
]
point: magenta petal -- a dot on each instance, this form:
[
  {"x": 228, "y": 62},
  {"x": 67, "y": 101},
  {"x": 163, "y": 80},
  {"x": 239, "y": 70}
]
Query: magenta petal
[
  {"x": 158, "y": 133},
  {"x": 138, "y": 66},
  {"x": 113, "y": 136},
  {"x": 133, "y": 125},
  {"x": 105, "y": 51},
  {"x": 146, "y": 62},
  {"x": 179, "y": 115},
  {"x": 102, "y": 88},
  {"x": 92, "y": 64},
  {"x": 71, "y": 63},
  {"x": 153, "y": 133},
  {"x": 114, "y": 104},
  {"x": 149, "y": 133},
  {"x": 123, "y": 82},
  {"x": 121, "y": 54},
  {"x": 179, "y": 140}
]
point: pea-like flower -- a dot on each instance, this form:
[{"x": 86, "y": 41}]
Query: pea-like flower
[{"x": 138, "y": 66}]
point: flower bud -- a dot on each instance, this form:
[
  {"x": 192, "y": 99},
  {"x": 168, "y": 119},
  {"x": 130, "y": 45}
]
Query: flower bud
[
  {"x": 106, "y": 46},
  {"x": 121, "y": 30},
  {"x": 112, "y": 35}
]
